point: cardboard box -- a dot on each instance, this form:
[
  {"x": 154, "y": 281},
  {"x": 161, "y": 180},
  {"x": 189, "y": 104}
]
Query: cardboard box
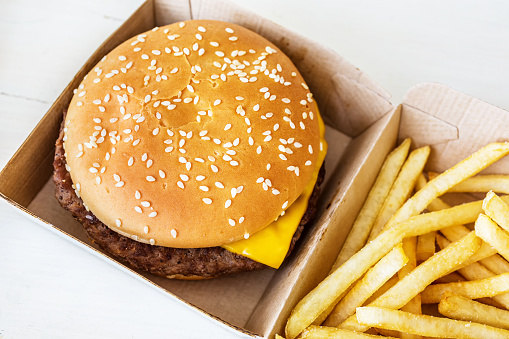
[{"x": 362, "y": 127}]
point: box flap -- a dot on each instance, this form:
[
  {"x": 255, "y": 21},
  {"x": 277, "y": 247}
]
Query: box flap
[
  {"x": 449, "y": 112},
  {"x": 336, "y": 84}
]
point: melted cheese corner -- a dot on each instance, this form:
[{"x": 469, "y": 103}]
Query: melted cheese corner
[{"x": 270, "y": 245}]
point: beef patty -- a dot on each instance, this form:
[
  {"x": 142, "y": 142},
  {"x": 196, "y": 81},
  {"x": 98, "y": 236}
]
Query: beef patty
[{"x": 181, "y": 263}]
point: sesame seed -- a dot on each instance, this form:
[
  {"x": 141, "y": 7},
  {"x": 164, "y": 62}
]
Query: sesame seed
[
  {"x": 93, "y": 170},
  {"x": 239, "y": 98},
  {"x": 285, "y": 100},
  {"x": 204, "y": 188},
  {"x": 200, "y": 178},
  {"x": 227, "y": 127},
  {"x": 145, "y": 204},
  {"x": 217, "y": 102},
  {"x": 180, "y": 184},
  {"x": 145, "y": 229},
  {"x": 310, "y": 149},
  {"x": 150, "y": 178},
  {"x": 246, "y": 236},
  {"x": 285, "y": 205},
  {"x": 152, "y": 241},
  {"x": 214, "y": 168},
  {"x": 208, "y": 201},
  {"x": 137, "y": 194},
  {"x": 138, "y": 209},
  {"x": 283, "y": 157},
  {"x": 231, "y": 222},
  {"x": 118, "y": 222},
  {"x": 173, "y": 233},
  {"x": 184, "y": 177},
  {"x": 188, "y": 166},
  {"x": 199, "y": 160},
  {"x": 152, "y": 214},
  {"x": 149, "y": 163},
  {"x": 228, "y": 203},
  {"x": 234, "y": 163}
]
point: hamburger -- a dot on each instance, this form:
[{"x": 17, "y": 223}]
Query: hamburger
[{"x": 192, "y": 151}]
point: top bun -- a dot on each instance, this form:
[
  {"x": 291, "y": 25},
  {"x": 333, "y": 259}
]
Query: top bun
[{"x": 195, "y": 134}]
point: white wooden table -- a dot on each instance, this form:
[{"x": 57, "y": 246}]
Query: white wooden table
[{"x": 50, "y": 288}]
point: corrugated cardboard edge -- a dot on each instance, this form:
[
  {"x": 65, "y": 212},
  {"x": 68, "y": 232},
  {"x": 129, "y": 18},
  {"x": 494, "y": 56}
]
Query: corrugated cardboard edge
[{"x": 461, "y": 124}]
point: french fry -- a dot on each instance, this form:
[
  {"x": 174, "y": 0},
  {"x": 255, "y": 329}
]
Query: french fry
[
  {"x": 426, "y": 325},
  {"x": 496, "y": 209},
  {"x": 442, "y": 183},
  {"x": 474, "y": 289},
  {"x": 481, "y": 184},
  {"x": 489, "y": 231},
  {"x": 450, "y": 278},
  {"x": 372, "y": 281},
  {"x": 476, "y": 271},
  {"x": 364, "y": 222},
  {"x": 320, "y": 332},
  {"x": 461, "y": 308},
  {"x": 324, "y": 295},
  {"x": 385, "y": 287},
  {"x": 414, "y": 305},
  {"x": 494, "y": 263},
  {"x": 401, "y": 189},
  {"x": 425, "y": 246},
  {"x": 423, "y": 275}
]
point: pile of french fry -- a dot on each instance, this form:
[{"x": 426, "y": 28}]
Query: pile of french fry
[{"x": 388, "y": 267}]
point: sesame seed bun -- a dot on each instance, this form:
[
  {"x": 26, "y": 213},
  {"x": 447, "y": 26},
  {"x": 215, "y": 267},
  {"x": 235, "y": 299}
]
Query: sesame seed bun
[{"x": 195, "y": 134}]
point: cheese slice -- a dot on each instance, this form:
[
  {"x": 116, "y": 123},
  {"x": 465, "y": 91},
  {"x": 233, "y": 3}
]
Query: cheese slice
[{"x": 270, "y": 245}]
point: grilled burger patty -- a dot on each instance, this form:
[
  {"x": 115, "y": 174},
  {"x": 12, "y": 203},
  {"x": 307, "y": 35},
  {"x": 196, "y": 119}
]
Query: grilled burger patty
[{"x": 184, "y": 263}]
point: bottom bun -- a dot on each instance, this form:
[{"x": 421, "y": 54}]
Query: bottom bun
[{"x": 173, "y": 263}]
